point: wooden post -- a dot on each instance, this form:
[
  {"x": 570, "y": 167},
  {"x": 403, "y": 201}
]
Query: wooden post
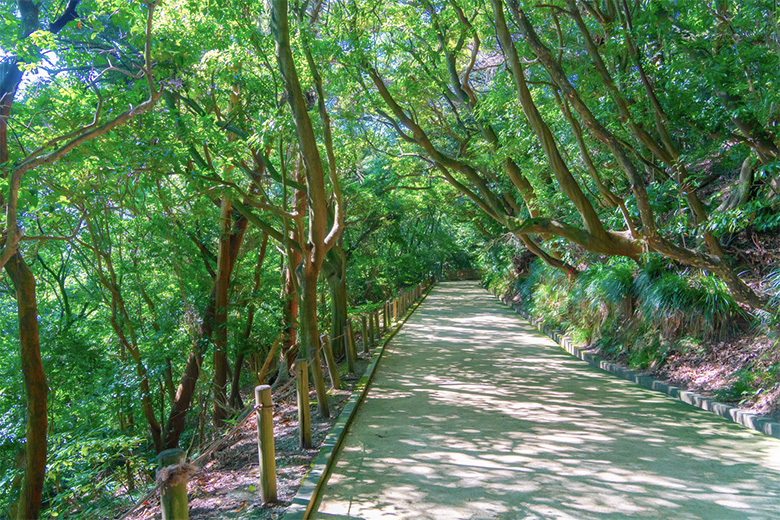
[
  {"x": 384, "y": 318},
  {"x": 395, "y": 309},
  {"x": 333, "y": 368},
  {"x": 375, "y": 327},
  {"x": 304, "y": 414},
  {"x": 353, "y": 338},
  {"x": 371, "y": 328},
  {"x": 377, "y": 330},
  {"x": 173, "y": 499},
  {"x": 349, "y": 346},
  {"x": 315, "y": 366},
  {"x": 265, "y": 443},
  {"x": 364, "y": 333}
]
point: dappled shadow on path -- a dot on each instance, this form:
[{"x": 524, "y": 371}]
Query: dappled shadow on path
[{"x": 473, "y": 414}]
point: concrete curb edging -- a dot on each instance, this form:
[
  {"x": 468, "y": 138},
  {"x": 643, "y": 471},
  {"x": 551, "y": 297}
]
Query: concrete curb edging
[
  {"x": 732, "y": 413},
  {"x": 302, "y": 505}
]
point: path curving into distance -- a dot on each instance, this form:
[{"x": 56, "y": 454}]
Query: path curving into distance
[{"x": 474, "y": 414}]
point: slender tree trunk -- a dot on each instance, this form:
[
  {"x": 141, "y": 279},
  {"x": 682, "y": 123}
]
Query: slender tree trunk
[
  {"x": 122, "y": 324},
  {"x": 130, "y": 346},
  {"x": 308, "y": 332},
  {"x": 235, "y": 395},
  {"x": 290, "y": 318},
  {"x": 35, "y": 387},
  {"x": 220, "y": 317},
  {"x": 335, "y": 264},
  {"x": 293, "y": 234},
  {"x": 189, "y": 378}
]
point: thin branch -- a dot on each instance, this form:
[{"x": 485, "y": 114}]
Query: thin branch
[
  {"x": 63, "y": 238},
  {"x": 13, "y": 231}
]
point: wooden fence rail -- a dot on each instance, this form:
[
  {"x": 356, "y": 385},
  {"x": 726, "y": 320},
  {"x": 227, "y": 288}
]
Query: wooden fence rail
[{"x": 174, "y": 490}]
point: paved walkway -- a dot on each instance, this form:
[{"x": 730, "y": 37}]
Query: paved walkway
[{"x": 473, "y": 414}]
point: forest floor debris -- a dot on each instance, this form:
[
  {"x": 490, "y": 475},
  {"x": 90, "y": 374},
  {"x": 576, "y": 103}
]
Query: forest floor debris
[
  {"x": 741, "y": 371},
  {"x": 228, "y": 486}
]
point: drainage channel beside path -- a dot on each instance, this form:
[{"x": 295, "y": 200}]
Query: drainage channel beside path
[{"x": 473, "y": 414}]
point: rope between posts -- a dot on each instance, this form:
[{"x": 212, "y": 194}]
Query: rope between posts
[
  {"x": 192, "y": 467},
  {"x": 216, "y": 444}
]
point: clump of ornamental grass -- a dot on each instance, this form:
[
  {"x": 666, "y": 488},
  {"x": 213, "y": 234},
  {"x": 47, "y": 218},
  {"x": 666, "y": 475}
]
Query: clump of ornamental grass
[
  {"x": 550, "y": 293},
  {"x": 692, "y": 303},
  {"x": 601, "y": 297}
]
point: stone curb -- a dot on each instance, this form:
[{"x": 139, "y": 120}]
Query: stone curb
[
  {"x": 732, "y": 413},
  {"x": 302, "y": 506}
]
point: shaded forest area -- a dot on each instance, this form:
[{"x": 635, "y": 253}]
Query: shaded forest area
[{"x": 195, "y": 190}]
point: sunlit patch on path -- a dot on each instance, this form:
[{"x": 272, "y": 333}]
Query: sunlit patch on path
[{"x": 473, "y": 414}]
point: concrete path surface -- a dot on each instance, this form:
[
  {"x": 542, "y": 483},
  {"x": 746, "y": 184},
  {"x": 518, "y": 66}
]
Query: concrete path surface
[{"x": 474, "y": 414}]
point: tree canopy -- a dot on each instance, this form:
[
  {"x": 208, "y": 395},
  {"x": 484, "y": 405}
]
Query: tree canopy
[{"x": 183, "y": 181}]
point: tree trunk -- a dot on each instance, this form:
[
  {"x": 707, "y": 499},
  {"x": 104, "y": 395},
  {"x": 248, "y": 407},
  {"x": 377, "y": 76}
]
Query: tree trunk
[
  {"x": 189, "y": 378},
  {"x": 741, "y": 193},
  {"x": 308, "y": 331},
  {"x": 294, "y": 259},
  {"x": 290, "y": 318},
  {"x": 220, "y": 317},
  {"x": 335, "y": 263},
  {"x": 235, "y": 396},
  {"x": 653, "y": 239},
  {"x": 320, "y": 239},
  {"x": 35, "y": 386}
]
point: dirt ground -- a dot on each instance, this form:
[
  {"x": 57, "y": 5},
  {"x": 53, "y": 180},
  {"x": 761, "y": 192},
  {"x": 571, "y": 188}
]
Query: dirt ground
[
  {"x": 738, "y": 371},
  {"x": 228, "y": 486}
]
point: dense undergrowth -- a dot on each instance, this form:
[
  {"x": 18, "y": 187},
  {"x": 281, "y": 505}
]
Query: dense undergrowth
[{"x": 647, "y": 315}]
